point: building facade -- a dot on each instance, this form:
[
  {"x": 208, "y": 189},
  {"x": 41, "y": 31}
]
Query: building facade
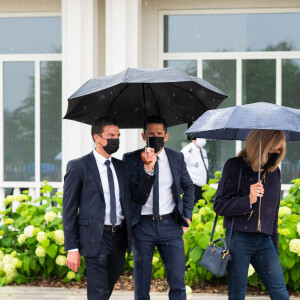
[{"x": 49, "y": 48}]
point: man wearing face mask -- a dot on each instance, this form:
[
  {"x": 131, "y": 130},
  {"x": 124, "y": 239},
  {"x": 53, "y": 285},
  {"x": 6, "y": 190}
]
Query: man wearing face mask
[
  {"x": 96, "y": 210},
  {"x": 195, "y": 157},
  {"x": 164, "y": 216}
]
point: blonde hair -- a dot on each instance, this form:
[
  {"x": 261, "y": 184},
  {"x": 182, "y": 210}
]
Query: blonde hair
[{"x": 269, "y": 140}]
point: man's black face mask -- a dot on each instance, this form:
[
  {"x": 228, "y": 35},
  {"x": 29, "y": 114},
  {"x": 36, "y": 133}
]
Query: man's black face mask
[
  {"x": 112, "y": 146},
  {"x": 156, "y": 142}
]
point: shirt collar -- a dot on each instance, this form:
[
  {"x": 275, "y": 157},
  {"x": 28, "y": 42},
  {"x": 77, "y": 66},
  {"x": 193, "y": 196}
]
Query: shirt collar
[
  {"x": 162, "y": 155},
  {"x": 100, "y": 158}
]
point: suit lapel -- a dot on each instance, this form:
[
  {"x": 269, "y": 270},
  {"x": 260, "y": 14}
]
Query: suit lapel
[{"x": 95, "y": 171}]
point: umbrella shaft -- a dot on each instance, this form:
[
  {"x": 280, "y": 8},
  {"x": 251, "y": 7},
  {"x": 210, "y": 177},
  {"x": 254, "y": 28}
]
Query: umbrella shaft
[{"x": 259, "y": 159}]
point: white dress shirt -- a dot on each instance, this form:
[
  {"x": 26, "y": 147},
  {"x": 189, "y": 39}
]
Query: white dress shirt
[
  {"x": 100, "y": 160},
  {"x": 166, "y": 201},
  {"x": 194, "y": 163}
]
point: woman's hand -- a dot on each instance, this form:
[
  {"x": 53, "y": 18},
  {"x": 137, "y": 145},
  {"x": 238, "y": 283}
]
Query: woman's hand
[{"x": 256, "y": 190}]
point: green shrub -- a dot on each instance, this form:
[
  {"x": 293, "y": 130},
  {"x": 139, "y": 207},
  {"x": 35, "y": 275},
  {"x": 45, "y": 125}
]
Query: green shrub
[{"x": 32, "y": 242}]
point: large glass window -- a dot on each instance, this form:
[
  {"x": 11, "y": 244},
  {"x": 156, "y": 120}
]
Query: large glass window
[
  {"x": 231, "y": 32},
  {"x": 18, "y": 124},
  {"x": 30, "y": 35},
  {"x": 32, "y": 137},
  {"x": 222, "y": 49},
  {"x": 291, "y": 97},
  {"x": 51, "y": 117},
  {"x": 259, "y": 80}
]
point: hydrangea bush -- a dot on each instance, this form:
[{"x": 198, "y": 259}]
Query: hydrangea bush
[{"x": 32, "y": 239}]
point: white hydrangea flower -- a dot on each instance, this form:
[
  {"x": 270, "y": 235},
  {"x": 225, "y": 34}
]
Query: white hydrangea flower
[
  {"x": 41, "y": 236},
  {"x": 298, "y": 228},
  {"x": 22, "y": 238},
  {"x": 188, "y": 290},
  {"x": 59, "y": 237},
  {"x": 40, "y": 251},
  {"x": 7, "y": 259},
  {"x": 71, "y": 275},
  {"x": 50, "y": 216},
  {"x": 1, "y": 254},
  {"x": 295, "y": 246},
  {"x": 284, "y": 211},
  {"x": 61, "y": 260},
  {"x": 28, "y": 231},
  {"x": 251, "y": 270}
]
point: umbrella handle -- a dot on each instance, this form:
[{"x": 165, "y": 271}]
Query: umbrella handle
[{"x": 143, "y": 156}]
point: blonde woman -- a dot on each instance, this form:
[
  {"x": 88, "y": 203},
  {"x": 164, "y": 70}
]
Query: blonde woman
[{"x": 255, "y": 211}]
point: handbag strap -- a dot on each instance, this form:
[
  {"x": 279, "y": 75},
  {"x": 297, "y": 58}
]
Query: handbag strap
[{"x": 232, "y": 222}]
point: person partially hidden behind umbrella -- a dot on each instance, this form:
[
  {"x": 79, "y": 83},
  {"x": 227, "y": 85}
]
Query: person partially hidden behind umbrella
[
  {"x": 164, "y": 216},
  {"x": 195, "y": 157},
  {"x": 255, "y": 211},
  {"x": 96, "y": 210}
]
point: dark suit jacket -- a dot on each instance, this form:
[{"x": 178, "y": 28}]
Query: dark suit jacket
[
  {"x": 83, "y": 192},
  {"x": 181, "y": 183}
]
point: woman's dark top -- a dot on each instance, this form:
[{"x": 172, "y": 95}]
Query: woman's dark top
[{"x": 228, "y": 204}]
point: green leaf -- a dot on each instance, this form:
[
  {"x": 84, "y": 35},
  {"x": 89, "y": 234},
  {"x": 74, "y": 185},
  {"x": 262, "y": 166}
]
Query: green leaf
[
  {"x": 45, "y": 243},
  {"x": 50, "y": 265},
  {"x": 37, "y": 221},
  {"x": 131, "y": 263},
  {"x": 2, "y": 280},
  {"x": 26, "y": 264},
  {"x": 288, "y": 262},
  {"x": 51, "y": 250},
  {"x": 42, "y": 260},
  {"x": 21, "y": 279},
  {"x": 196, "y": 253},
  {"x": 33, "y": 265}
]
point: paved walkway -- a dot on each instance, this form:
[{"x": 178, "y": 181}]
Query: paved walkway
[{"x": 41, "y": 293}]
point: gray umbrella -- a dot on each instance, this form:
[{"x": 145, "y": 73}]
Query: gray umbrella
[{"x": 234, "y": 123}]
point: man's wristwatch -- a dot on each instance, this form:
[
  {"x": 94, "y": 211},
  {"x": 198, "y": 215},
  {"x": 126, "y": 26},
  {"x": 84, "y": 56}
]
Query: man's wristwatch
[{"x": 149, "y": 172}]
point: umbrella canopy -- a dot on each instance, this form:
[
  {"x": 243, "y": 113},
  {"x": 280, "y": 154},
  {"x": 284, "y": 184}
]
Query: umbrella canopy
[
  {"x": 234, "y": 123},
  {"x": 134, "y": 94}
]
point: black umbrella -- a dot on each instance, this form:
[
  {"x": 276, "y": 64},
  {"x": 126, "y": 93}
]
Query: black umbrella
[{"x": 134, "y": 94}]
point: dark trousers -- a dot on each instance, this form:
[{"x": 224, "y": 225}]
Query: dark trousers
[
  {"x": 198, "y": 193},
  {"x": 257, "y": 249},
  {"x": 167, "y": 236},
  {"x": 105, "y": 269}
]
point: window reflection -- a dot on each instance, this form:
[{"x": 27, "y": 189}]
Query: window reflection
[
  {"x": 259, "y": 81},
  {"x": 232, "y": 32},
  {"x": 18, "y": 121},
  {"x": 51, "y": 117},
  {"x": 290, "y": 167},
  {"x": 30, "y": 35}
]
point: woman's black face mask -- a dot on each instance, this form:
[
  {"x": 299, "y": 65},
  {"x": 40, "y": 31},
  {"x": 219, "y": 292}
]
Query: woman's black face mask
[{"x": 272, "y": 158}]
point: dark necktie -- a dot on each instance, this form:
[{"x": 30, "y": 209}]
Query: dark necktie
[
  {"x": 113, "y": 211},
  {"x": 156, "y": 191}
]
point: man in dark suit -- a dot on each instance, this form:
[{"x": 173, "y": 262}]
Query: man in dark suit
[
  {"x": 96, "y": 210},
  {"x": 162, "y": 218}
]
